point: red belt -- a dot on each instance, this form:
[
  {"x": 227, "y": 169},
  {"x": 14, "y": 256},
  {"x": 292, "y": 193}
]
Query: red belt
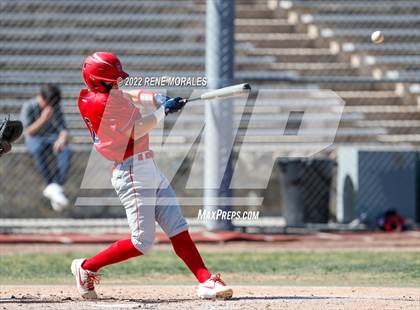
[
  {"x": 140, "y": 156},
  {"x": 145, "y": 155}
]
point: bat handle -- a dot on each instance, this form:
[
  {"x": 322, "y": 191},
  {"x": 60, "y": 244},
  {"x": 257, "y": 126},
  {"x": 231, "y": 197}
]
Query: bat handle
[{"x": 191, "y": 99}]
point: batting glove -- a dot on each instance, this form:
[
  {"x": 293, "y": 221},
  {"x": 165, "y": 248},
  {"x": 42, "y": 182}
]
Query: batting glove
[
  {"x": 174, "y": 105},
  {"x": 171, "y": 105},
  {"x": 167, "y": 105},
  {"x": 160, "y": 100}
]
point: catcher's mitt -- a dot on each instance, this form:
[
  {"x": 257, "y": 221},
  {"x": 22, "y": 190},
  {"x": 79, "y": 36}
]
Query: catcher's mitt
[{"x": 10, "y": 131}]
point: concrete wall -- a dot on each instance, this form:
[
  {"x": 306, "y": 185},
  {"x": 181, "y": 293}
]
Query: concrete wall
[{"x": 21, "y": 188}]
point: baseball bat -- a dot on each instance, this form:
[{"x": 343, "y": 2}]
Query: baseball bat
[{"x": 222, "y": 92}]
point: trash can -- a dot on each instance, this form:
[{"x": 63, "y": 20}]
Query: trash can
[{"x": 305, "y": 186}]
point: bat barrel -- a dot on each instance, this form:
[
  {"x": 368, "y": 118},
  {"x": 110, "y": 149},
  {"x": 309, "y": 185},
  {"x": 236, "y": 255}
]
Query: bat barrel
[
  {"x": 226, "y": 91},
  {"x": 222, "y": 92}
]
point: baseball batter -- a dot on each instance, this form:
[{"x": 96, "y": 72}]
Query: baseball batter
[{"x": 120, "y": 133}]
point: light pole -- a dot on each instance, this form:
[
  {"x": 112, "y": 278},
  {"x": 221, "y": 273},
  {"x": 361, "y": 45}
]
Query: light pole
[{"x": 220, "y": 43}]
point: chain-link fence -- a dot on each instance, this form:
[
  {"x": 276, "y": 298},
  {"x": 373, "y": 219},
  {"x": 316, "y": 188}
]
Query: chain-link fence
[{"x": 291, "y": 48}]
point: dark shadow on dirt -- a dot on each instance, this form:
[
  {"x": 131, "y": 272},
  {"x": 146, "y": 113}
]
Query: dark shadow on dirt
[
  {"x": 148, "y": 301},
  {"x": 317, "y": 298},
  {"x": 28, "y": 301}
]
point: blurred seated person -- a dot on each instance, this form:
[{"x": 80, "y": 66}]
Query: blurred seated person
[{"x": 46, "y": 138}]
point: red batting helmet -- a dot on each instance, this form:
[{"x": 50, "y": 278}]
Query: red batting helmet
[{"x": 101, "y": 68}]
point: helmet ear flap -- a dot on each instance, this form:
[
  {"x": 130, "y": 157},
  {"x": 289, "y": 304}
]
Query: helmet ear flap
[
  {"x": 101, "y": 87},
  {"x": 92, "y": 82},
  {"x": 107, "y": 86}
]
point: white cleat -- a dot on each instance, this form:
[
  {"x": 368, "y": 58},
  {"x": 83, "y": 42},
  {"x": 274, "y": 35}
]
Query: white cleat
[
  {"x": 54, "y": 192},
  {"x": 85, "y": 279},
  {"x": 214, "y": 288},
  {"x": 57, "y": 207}
]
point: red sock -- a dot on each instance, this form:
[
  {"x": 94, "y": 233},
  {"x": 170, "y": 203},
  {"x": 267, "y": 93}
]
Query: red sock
[
  {"x": 185, "y": 248},
  {"x": 115, "y": 253}
]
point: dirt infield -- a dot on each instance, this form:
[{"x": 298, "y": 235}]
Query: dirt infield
[
  {"x": 183, "y": 297},
  {"x": 116, "y": 293}
]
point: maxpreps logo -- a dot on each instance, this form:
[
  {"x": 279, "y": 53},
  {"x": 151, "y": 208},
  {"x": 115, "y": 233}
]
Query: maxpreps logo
[{"x": 219, "y": 214}]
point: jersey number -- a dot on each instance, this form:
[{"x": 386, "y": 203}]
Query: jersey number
[{"x": 93, "y": 134}]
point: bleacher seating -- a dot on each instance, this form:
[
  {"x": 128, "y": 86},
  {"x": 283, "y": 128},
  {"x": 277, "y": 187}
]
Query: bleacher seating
[
  {"x": 346, "y": 27},
  {"x": 292, "y": 44}
]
